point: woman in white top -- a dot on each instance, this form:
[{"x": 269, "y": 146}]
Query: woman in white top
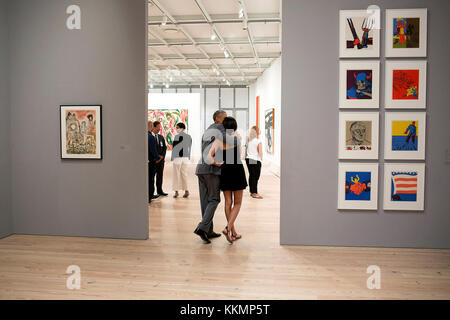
[{"x": 254, "y": 160}]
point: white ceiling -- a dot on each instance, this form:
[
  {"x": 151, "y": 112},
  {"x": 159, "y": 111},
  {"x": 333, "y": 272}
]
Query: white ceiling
[{"x": 182, "y": 52}]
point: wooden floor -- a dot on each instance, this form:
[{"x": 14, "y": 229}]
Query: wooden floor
[{"x": 174, "y": 264}]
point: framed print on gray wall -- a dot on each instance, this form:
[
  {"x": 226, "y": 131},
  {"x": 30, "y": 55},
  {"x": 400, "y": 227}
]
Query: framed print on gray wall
[
  {"x": 81, "y": 131},
  {"x": 405, "y": 135},
  {"x": 358, "y": 135},
  {"x": 406, "y": 84},
  {"x": 359, "y": 36},
  {"x": 358, "y": 186},
  {"x": 404, "y": 186},
  {"x": 406, "y": 33},
  {"x": 359, "y": 84}
]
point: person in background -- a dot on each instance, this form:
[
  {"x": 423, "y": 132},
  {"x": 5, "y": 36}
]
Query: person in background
[
  {"x": 162, "y": 148},
  {"x": 181, "y": 154},
  {"x": 153, "y": 159},
  {"x": 254, "y": 160}
]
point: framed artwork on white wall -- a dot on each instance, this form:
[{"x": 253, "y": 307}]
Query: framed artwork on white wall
[
  {"x": 406, "y": 33},
  {"x": 358, "y": 135},
  {"x": 359, "y": 36},
  {"x": 359, "y": 84},
  {"x": 404, "y": 186},
  {"x": 406, "y": 84},
  {"x": 405, "y": 135},
  {"x": 358, "y": 186}
]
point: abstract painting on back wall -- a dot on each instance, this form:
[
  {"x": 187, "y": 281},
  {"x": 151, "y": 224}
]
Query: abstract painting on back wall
[
  {"x": 169, "y": 118},
  {"x": 81, "y": 128},
  {"x": 270, "y": 130}
]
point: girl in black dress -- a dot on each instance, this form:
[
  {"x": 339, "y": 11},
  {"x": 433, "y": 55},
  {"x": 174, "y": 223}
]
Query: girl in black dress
[{"x": 232, "y": 178}]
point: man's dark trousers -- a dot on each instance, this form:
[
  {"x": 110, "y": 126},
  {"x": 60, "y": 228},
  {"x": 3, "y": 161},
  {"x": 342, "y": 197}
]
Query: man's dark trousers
[{"x": 209, "y": 188}]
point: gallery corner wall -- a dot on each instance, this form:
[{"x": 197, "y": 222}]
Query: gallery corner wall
[
  {"x": 5, "y": 146},
  {"x": 102, "y": 63},
  {"x": 309, "y": 158}
]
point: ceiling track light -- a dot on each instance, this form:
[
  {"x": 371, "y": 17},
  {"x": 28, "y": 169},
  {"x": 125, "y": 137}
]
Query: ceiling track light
[
  {"x": 164, "y": 22},
  {"x": 241, "y": 13},
  {"x": 213, "y": 36},
  {"x": 167, "y": 86},
  {"x": 225, "y": 52}
]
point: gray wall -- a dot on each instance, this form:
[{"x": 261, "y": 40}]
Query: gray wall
[
  {"x": 310, "y": 129},
  {"x": 5, "y": 148},
  {"x": 103, "y": 63}
]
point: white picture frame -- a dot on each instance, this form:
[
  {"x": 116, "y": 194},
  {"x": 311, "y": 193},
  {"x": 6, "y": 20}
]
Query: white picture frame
[
  {"x": 410, "y": 79},
  {"x": 359, "y": 71},
  {"x": 419, "y": 48},
  {"x": 397, "y": 144},
  {"x": 361, "y": 190},
  {"x": 358, "y": 19},
  {"x": 358, "y": 135},
  {"x": 81, "y": 132},
  {"x": 404, "y": 186}
]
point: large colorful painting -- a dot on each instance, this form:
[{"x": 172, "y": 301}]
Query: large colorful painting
[
  {"x": 406, "y": 84},
  {"x": 169, "y": 118},
  {"x": 404, "y": 186},
  {"x": 270, "y": 130},
  {"x": 81, "y": 132},
  {"x": 359, "y": 34},
  {"x": 406, "y": 33},
  {"x": 358, "y": 184},
  {"x": 359, "y": 84},
  {"x": 358, "y": 135},
  {"x": 405, "y": 135}
]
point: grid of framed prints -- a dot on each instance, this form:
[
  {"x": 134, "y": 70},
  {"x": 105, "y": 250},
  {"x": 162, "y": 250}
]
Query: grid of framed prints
[{"x": 405, "y": 94}]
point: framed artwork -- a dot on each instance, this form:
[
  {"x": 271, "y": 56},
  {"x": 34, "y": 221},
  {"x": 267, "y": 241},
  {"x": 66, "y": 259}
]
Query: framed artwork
[
  {"x": 405, "y": 135},
  {"x": 406, "y": 33},
  {"x": 404, "y": 186},
  {"x": 359, "y": 84},
  {"x": 358, "y": 35},
  {"x": 406, "y": 84},
  {"x": 358, "y": 135},
  {"x": 169, "y": 118},
  {"x": 81, "y": 132},
  {"x": 358, "y": 185},
  {"x": 269, "y": 122}
]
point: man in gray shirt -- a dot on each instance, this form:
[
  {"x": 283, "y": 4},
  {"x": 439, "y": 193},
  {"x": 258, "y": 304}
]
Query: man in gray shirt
[{"x": 209, "y": 178}]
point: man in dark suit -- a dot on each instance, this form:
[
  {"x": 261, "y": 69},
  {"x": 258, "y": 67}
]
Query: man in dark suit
[
  {"x": 153, "y": 159},
  {"x": 162, "y": 148}
]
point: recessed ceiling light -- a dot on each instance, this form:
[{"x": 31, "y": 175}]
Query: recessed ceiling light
[
  {"x": 171, "y": 30},
  {"x": 213, "y": 36}
]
